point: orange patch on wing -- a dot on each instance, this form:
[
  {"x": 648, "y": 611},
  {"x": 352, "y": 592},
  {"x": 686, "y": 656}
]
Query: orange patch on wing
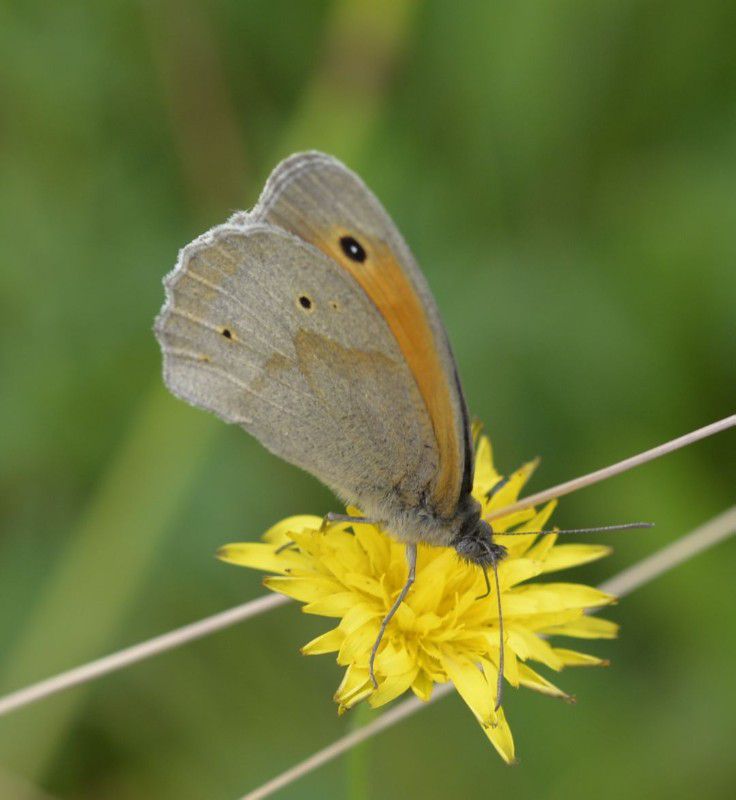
[{"x": 384, "y": 281}]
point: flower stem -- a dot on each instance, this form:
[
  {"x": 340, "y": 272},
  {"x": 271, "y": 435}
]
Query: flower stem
[{"x": 358, "y": 761}]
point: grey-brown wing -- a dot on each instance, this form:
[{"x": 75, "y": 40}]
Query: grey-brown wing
[
  {"x": 267, "y": 332},
  {"x": 317, "y": 198}
]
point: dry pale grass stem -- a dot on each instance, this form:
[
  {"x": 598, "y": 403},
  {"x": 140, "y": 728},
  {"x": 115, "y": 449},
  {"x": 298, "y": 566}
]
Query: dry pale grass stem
[
  {"x": 139, "y": 652},
  {"x": 681, "y": 550},
  {"x": 616, "y": 469},
  {"x": 342, "y": 745}
]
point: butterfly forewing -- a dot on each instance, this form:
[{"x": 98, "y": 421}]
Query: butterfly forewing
[{"x": 319, "y": 200}]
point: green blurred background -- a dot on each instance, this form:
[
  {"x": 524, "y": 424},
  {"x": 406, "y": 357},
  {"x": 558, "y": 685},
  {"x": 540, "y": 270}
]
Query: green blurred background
[{"x": 565, "y": 173}]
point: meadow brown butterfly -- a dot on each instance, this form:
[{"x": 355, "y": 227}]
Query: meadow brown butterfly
[{"x": 308, "y": 322}]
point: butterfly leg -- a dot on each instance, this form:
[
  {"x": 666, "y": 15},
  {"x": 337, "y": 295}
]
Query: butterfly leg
[
  {"x": 411, "y": 560},
  {"x": 331, "y": 517}
]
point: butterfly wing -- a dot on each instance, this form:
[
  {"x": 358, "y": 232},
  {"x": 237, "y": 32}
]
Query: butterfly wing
[
  {"x": 318, "y": 199},
  {"x": 269, "y": 333},
  {"x": 339, "y": 366}
]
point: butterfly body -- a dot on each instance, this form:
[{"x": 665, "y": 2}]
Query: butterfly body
[{"x": 307, "y": 322}]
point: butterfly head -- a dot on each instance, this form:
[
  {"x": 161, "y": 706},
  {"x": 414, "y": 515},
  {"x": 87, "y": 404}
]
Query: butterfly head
[{"x": 474, "y": 542}]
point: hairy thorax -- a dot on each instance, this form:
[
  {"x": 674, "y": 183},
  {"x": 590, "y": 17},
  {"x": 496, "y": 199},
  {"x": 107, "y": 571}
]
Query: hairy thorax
[{"x": 421, "y": 524}]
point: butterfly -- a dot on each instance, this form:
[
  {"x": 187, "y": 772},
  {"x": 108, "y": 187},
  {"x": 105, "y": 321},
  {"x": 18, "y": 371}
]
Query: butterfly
[{"x": 308, "y": 322}]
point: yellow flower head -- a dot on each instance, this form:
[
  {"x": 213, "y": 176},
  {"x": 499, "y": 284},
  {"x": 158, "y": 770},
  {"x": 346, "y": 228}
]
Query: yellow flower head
[{"x": 442, "y": 632}]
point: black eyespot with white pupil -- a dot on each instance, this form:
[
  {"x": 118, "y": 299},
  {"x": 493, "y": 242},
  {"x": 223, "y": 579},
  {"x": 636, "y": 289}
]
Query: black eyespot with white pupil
[{"x": 353, "y": 249}]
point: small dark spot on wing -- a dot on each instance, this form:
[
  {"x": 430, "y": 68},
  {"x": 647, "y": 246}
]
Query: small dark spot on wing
[{"x": 353, "y": 249}]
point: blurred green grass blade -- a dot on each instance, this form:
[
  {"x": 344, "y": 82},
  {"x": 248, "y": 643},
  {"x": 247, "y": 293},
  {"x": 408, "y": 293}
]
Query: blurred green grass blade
[
  {"x": 358, "y": 761},
  {"x": 108, "y": 555},
  {"x": 104, "y": 562},
  {"x": 340, "y": 109},
  {"x": 11, "y": 786}
]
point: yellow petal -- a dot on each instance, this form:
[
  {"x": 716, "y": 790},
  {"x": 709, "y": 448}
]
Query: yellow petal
[
  {"x": 502, "y": 524},
  {"x": 333, "y": 605},
  {"x": 422, "y": 686},
  {"x": 472, "y": 685},
  {"x": 533, "y": 680},
  {"x": 426, "y": 623},
  {"x": 571, "y": 658},
  {"x": 435, "y": 671},
  {"x": 550, "y": 597},
  {"x": 326, "y": 643},
  {"x": 501, "y": 738},
  {"x": 355, "y": 685},
  {"x": 305, "y": 589},
  {"x": 527, "y": 645},
  {"x": 585, "y": 627},
  {"x": 392, "y": 687},
  {"x": 429, "y": 586},
  {"x": 485, "y": 476},
  {"x": 539, "y": 521},
  {"x": 535, "y": 521},
  {"x": 364, "y": 583},
  {"x": 393, "y": 660},
  {"x": 541, "y": 547},
  {"x": 395, "y": 576},
  {"x": 353, "y": 679},
  {"x": 564, "y": 556},
  {"x": 539, "y": 622},
  {"x": 404, "y": 620},
  {"x": 342, "y": 555},
  {"x": 262, "y": 556},
  {"x": 376, "y": 546},
  {"x": 311, "y": 543},
  {"x": 278, "y": 534},
  {"x": 356, "y": 646},
  {"x": 509, "y": 493},
  {"x": 357, "y": 615},
  {"x": 517, "y": 570},
  {"x": 510, "y": 665}
]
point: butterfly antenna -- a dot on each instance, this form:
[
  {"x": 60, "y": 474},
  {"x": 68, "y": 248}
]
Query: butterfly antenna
[
  {"x": 499, "y": 682},
  {"x": 629, "y": 526}
]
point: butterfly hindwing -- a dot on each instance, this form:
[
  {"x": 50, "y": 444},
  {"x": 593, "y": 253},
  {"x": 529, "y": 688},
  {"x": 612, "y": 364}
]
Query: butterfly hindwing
[{"x": 270, "y": 333}]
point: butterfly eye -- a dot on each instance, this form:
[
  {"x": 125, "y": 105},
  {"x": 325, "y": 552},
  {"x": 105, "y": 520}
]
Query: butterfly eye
[{"x": 353, "y": 249}]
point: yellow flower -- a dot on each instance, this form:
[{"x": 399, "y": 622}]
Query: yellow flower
[{"x": 442, "y": 632}]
